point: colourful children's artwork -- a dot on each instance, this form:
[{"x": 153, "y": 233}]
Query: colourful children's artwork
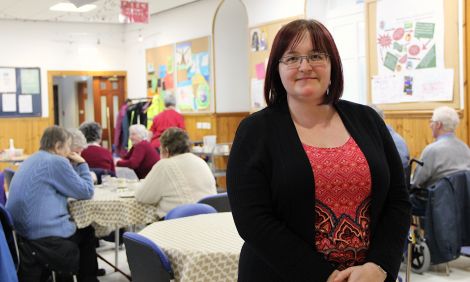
[
  {"x": 193, "y": 76},
  {"x": 409, "y": 39}
]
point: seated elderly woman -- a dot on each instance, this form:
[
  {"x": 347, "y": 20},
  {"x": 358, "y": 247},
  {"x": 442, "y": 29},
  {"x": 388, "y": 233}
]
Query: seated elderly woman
[
  {"x": 180, "y": 177},
  {"x": 38, "y": 204},
  {"x": 95, "y": 155},
  {"x": 78, "y": 141},
  {"x": 142, "y": 155}
]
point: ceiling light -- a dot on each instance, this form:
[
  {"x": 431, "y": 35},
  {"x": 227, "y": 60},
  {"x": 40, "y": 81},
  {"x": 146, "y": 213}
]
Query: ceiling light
[{"x": 69, "y": 7}]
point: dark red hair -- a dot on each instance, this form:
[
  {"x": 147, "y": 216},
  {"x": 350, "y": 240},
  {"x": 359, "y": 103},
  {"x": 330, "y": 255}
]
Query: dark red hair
[{"x": 290, "y": 36}]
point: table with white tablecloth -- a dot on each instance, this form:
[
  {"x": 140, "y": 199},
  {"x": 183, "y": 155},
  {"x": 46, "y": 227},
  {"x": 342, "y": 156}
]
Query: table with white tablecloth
[
  {"x": 111, "y": 209},
  {"x": 107, "y": 211},
  {"x": 200, "y": 248}
]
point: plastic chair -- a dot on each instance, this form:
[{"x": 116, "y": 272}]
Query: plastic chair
[
  {"x": 12, "y": 239},
  {"x": 219, "y": 201},
  {"x": 465, "y": 251},
  {"x": 147, "y": 262},
  {"x": 7, "y": 222},
  {"x": 189, "y": 210},
  {"x": 7, "y": 266},
  {"x": 3, "y": 196},
  {"x": 8, "y": 174}
]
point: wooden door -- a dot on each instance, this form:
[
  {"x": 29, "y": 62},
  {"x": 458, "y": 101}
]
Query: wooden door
[
  {"x": 82, "y": 95},
  {"x": 109, "y": 95}
]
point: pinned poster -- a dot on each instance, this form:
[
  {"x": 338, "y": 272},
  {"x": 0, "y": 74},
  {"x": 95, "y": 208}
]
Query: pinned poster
[
  {"x": 29, "y": 81},
  {"x": 427, "y": 85},
  {"x": 8, "y": 102},
  {"x": 7, "y": 80},
  {"x": 410, "y": 38},
  {"x": 134, "y": 12},
  {"x": 257, "y": 96},
  {"x": 260, "y": 71},
  {"x": 25, "y": 104}
]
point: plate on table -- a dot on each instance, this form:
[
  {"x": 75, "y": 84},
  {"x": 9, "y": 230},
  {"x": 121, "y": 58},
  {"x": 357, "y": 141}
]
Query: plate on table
[{"x": 126, "y": 194}]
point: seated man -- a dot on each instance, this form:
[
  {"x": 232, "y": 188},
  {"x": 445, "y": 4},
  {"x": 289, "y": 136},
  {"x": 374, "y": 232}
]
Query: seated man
[
  {"x": 443, "y": 157},
  {"x": 180, "y": 177}
]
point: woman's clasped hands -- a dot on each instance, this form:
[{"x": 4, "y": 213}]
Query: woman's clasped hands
[{"x": 368, "y": 272}]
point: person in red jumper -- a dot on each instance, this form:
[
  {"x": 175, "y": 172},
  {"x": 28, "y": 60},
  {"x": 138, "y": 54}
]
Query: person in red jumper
[
  {"x": 95, "y": 155},
  {"x": 142, "y": 156},
  {"x": 164, "y": 120}
]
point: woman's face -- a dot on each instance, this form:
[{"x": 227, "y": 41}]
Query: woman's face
[
  {"x": 63, "y": 149},
  {"x": 309, "y": 81},
  {"x": 135, "y": 137}
]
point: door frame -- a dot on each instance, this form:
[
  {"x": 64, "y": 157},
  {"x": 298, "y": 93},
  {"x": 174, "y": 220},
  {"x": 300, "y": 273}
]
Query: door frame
[{"x": 50, "y": 83}]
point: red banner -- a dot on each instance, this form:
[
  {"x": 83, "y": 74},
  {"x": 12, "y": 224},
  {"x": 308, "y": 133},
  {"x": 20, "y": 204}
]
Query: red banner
[{"x": 134, "y": 12}]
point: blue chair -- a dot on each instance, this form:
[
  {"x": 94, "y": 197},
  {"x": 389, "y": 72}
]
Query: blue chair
[
  {"x": 3, "y": 196},
  {"x": 12, "y": 240},
  {"x": 465, "y": 251},
  {"x": 147, "y": 262},
  {"x": 7, "y": 266},
  {"x": 7, "y": 222},
  {"x": 189, "y": 210},
  {"x": 8, "y": 174},
  {"x": 219, "y": 201}
]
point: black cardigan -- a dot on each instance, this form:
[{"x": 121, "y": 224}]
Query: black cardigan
[{"x": 271, "y": 189}]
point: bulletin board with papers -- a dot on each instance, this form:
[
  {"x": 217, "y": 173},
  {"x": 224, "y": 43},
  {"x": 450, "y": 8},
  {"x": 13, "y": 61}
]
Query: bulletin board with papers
[
  {"x": 414, "y": 58},
  {"x": 183, "y": 69},
  {"x": 20, "y": 92}
]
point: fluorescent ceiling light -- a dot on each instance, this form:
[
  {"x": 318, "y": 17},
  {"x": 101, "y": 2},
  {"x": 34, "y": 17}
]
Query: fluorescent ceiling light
[{"x": 69, "y": 7}]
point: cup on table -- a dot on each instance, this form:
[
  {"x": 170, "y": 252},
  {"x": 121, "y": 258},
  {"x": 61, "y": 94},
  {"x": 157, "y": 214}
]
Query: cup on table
[{"x": 121, "y": 183}]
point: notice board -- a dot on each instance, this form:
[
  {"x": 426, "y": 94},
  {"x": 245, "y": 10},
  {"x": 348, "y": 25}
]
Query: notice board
[
  {"x": 452, "y": 29},
  {"x": 20, "y": 92}
]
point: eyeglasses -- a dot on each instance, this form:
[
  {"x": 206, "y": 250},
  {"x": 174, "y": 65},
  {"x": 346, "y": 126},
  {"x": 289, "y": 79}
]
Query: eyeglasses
[{"x": 314, "y": 59}]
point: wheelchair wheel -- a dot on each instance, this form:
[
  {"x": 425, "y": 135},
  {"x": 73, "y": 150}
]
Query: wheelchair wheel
[{"x": 420, "y": 257}]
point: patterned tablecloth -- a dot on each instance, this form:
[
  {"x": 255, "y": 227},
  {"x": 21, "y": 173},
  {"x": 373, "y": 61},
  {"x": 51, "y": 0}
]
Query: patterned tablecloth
[
  {"x": 200, "y": 248},
  {"x": 107, "y": 211}
]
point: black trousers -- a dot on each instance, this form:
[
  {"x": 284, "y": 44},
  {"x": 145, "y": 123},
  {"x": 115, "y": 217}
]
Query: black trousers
[{"x": 64, "y": 256}]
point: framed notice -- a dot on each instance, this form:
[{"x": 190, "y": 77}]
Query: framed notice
[{"x": 20, "y": 92}]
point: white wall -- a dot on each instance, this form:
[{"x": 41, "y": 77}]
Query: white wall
[
  {"x": 231, "y": 58},
  {"x": 345, "y": 21},
  {"x": 265, "y": 11},
  {"x": 74, "y": 46},
  {"x": 61, "y": 46},
  {"x": 184, "y": 23}
]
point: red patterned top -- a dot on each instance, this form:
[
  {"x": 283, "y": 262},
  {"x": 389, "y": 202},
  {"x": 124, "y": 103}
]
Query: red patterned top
[{"x": 342, "y": 201}]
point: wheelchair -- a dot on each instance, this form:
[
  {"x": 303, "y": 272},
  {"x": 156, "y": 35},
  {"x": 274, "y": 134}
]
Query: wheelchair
[{"x": 416, "y": 256}]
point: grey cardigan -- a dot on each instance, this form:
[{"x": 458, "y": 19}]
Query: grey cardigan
[{"x": 271, "y": 189}]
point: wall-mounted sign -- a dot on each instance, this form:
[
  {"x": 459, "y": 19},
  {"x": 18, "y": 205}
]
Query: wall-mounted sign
[{"x": 134, "y": 12}]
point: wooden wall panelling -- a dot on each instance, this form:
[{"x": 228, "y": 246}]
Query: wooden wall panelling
[
  {"x": 415, "y": 130},
  {"x": 26, "y": 132},
  {"x": 227, "y": 124},
  {"x": 196, "y": 134},
  {"x": 224, "y": 125}
]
